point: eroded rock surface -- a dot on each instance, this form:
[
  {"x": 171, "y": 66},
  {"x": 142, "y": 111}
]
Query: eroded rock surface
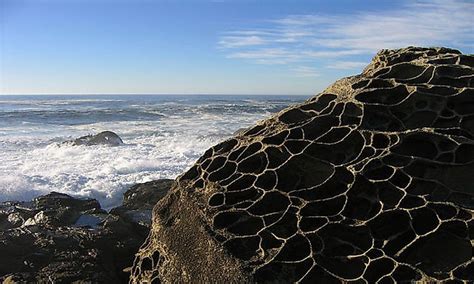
[
  {"x": 371, "y": 180},
  {"x": 60, "y": 239}
]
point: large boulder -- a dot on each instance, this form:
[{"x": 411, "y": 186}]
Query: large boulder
[
  {"x": 371, "y": 180},
  {"x": 61, "y": 239},
  {"x": 107, "y": 138}
]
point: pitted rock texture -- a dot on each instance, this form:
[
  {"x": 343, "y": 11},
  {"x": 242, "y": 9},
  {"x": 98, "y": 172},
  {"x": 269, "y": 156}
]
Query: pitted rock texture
[{"x": 370, "y": 181}]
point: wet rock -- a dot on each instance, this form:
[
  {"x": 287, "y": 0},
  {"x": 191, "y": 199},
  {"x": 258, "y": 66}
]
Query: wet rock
[
  {"x": 15, "y": 219},
  {"x": 108, "y": 138},
  {"x": 62, "y": 239},
  {"x": 369, "y": 181},
  {"x": 139, "y": 200},
  {"x": 145, "y": 195}
]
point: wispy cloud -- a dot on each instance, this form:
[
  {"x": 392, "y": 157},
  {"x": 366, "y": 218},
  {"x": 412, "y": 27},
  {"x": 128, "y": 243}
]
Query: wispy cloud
[
  {"x": 267, "y": 55},
  {"x": 305, "y": 71},
  {"x": 347, "y": 64},
  {"x": 241, "y": 41},
  {"x": 338, "y": 39}
]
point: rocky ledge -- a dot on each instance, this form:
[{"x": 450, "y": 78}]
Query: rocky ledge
[
  {"x": 371, "y": 180},
  {"x": 60, "y": 239}
]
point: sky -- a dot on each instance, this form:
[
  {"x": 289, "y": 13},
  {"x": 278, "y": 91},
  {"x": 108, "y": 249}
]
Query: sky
[{"x": 293, "y": 47}]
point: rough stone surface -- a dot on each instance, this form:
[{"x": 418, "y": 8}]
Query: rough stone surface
[
  {"x": 371, "y": 180},
  {"x": 107, "y": 138},
  {"x": 60, "y": 239}
]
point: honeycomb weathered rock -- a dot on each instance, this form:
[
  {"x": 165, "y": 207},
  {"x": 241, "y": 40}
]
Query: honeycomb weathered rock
[{"x": 371, "y": 180}]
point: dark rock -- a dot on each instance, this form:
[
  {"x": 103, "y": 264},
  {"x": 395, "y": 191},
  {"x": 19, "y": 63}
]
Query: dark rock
[
  {"x": 108, "y": 138},
  {"x": 58, "y": 238},
  {"x": 139, "y": 200},
  {"x": 145, "y": 195},
  {"x": 370, "y": 181}
]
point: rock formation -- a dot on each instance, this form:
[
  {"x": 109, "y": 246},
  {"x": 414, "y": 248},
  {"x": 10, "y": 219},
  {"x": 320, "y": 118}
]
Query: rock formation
[
  {"x": 60, "y": 239},
  {"x": 108, "y": 138},
  {"x": 371, "y": 180},
  {"x": 140, "y": 199}
]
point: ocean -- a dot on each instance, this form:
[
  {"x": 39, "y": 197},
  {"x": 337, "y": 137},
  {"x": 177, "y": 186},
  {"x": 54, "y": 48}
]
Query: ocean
[{"x": 163, "y": 135}]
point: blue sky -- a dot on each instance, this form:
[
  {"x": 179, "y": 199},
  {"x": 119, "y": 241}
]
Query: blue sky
[{"x": 211, "y": 47}]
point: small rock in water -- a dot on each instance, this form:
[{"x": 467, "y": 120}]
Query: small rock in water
[{"x": 103, "y": 138}]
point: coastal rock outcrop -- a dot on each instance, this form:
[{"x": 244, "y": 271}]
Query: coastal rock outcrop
[
  {"x": 108, "y": 138},
  {"x": 370, "y": 180},
  {"x": 60, "y": 239}
]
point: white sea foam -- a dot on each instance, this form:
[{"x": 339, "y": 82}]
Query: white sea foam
[
  {"x": 99, "y": 171},
  {"x": 33, "y": 161},
  {"x": 153, "y": 150}
]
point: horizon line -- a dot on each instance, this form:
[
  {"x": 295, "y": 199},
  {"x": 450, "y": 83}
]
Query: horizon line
[{"x": 155, "y": 94}]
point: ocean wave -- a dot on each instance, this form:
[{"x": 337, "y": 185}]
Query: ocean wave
[
  {"x": 57, "y": 102},
  {"x": 100, "y": 172},
  {"x": 162, "y": 139}
]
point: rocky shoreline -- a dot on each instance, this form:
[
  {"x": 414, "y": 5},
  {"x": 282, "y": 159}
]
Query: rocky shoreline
[
  {"x": 368, "y": 182},
  {"x": 58, "y": 238}
]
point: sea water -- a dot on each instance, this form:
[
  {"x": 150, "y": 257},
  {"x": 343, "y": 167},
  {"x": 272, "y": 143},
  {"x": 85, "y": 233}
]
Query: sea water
[{"x": 163, "y": 136}]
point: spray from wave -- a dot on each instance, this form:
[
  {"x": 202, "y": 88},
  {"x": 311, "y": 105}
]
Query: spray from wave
[{"x": 162, "y": 138}]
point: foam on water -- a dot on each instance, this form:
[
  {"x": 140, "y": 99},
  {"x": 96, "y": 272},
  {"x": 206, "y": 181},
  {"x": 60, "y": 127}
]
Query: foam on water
[
  {"x": 99, "y": 171},
  {"x": 34, "y": 162}
]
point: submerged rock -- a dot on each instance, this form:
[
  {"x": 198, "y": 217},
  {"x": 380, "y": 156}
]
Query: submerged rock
[
  {"x": 371, "y": 180},
  {"x": 108, "y": 138},
  {"x": 58, "y": 238}
]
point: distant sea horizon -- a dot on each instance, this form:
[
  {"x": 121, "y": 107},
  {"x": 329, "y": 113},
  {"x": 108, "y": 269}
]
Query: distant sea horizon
[
  {"x": 153, "y": 94},
  {"x": 163, "y": 135}
]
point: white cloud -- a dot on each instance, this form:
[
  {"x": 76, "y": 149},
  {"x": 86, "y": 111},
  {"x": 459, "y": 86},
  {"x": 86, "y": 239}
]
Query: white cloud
[
  {"x": 267, "y": 56},
  {"x": 241, "y": 41},
  {"x": 264, "y": 53},
  {"x": 304, "y": 39},
  {"x": 347, "y": 65},
  {"x": 331, "y": 53}
]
